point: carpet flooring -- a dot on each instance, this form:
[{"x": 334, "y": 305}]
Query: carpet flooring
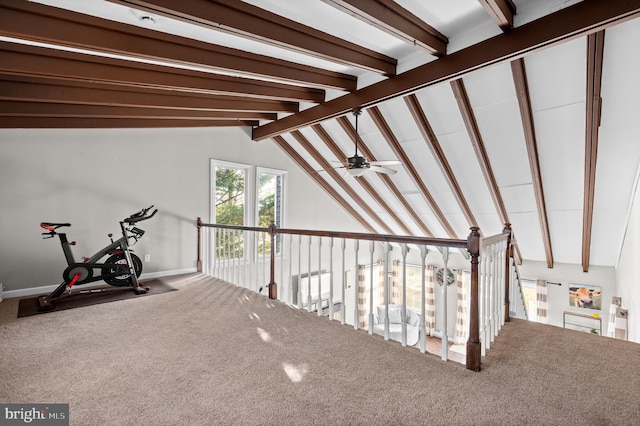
[{"x": 215, "y": 354}]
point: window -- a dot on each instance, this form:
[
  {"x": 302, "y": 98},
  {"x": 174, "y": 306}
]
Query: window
[
  {"x": 230, "y": 201},
  {"x": 239, "y": 200},
  {"x": 414, "y": 286},
  {"x": 269, "y": 205},
  {"x": 530, "y": 299}
]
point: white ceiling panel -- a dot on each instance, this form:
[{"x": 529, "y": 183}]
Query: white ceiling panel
[
  {"x": 431, "y": 175},
  {"x": 491, "y": 85},
  {"x": 618, "y": 148},
  {"x": 566, "y": 235},
  {"x": 519, "y": 198},
  {"x": 441, "y": 109},
  {"x": 399, "y": 118},
  {"x": 489, "y": 224},
  {"x": 502, "y": 134},
  {"x": 557, "y": 76},
  {"x": 607, "y": 235},
  {"x": 464, "y": 163},
  {"x": 528, "y": 235},
  {"x": 560, "y": 134}
]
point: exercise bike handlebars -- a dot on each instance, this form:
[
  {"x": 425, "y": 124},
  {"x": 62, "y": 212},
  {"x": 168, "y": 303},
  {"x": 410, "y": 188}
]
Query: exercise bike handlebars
[{"x": 141, "y": 215}]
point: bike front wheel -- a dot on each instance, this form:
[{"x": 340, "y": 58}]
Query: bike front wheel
[{"x": 117, "y": 264}]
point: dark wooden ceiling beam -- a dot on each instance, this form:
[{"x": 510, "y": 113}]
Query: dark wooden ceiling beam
[
  {"x": 351, "y": 131},
  {"x": 524, "y": 101},
  {"x": 328, "y": 168},
  {"x": 47, "y": 109},
  {"x": 35, "y": 89},
  {"x": 501, "y": 11},
  {"x": 408, "y": 163},
  {"x": 595, "y": 54},
  {"x": 37, "y": 22},
  {"x": 8, "y": 122},
  {"x": 38, "y": 61},
  {"x": 245, "y": 20},
  {"x": 583, "y": 18},
  {"x": 431, "y": 139},
  {"x": 298, "y": 159},
  {"x": 464, "y": 105},
  {"x": 393, "y": 19},
  {"x": 362, "y": 180}
]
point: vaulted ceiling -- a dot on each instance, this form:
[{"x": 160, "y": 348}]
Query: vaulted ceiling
[{"x": 524, "y": 112}]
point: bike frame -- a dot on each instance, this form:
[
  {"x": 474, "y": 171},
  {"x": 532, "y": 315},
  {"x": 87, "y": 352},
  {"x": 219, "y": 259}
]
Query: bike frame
[
  {"x": 120, "y": 245},
  {"x": 73, "y": 274}
]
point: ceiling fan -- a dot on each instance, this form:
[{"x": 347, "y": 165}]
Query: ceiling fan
[{"x": 358, "y": 165}]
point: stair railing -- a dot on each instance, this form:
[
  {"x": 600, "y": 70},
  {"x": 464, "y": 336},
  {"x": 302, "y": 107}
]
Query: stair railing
[{"x": 320, "y": 271}]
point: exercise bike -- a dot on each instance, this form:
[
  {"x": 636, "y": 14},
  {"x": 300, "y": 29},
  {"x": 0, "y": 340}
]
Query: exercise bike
[{"x": 121, "y": 269}]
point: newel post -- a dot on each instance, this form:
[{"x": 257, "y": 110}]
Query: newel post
[
  {"x": 507, "y": 276},
  {"x": 473, "y": 344},
  {"x": 273, "y": 287},
  {"x": 199, "y": 225}
]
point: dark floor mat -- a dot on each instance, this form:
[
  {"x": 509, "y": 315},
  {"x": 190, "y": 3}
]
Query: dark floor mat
[{"x": 29, "y": 306}]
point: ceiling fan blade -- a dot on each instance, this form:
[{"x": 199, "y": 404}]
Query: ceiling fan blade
[
  {"x": 332, "y": 168},
  {"x": 385, "y": 163},
  {"x": 385, "y": 170}
]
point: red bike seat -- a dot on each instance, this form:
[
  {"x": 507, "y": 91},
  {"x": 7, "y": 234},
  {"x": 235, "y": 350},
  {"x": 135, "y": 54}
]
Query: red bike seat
[{"x": 49, "y": 226}]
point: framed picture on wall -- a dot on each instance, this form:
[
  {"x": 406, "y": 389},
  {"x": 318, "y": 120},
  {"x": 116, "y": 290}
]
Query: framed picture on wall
[{"x": 585, "y": 296}]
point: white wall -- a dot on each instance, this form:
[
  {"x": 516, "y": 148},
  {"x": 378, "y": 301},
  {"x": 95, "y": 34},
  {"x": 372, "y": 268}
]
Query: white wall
[
  {"x": 628, "y": 271},
  {"x": 565, "y": 274},
  {"x": 94, "y": 178}
]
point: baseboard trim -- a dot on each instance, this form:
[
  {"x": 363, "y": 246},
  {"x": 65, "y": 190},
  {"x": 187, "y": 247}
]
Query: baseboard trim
[{"x": 24, "y": 292}]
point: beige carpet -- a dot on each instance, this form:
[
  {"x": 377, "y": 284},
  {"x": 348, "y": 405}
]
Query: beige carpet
[{"x": 214, "y": 354}]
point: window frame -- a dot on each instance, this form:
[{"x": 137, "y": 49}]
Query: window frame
[
  {"x": 251, "y": 200},
  {"x": 248, "y": 200}
]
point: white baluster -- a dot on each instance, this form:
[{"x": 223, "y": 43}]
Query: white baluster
[
  {"x": 343, "y": 308},
  {"x": 387, "y": 291},
  {"x": 405, "y": 250},
  {"x": 331, "y": 278},
  {"x": 300, "y": 271},
  {"x": 496, "y": 293},
  {"x": 371, "y": 270},
  {"x": 227, "y": 247},
  {"x": 445, "y": 290},
  {"x": 355, "y": 286},
  {"x": 309, "y": 276},
  {"x": 236, "y": 257},
  {"x": 290, "y": 268},
  {"x": 319, "y": 300},
  {"x": 423, "y": 330}
]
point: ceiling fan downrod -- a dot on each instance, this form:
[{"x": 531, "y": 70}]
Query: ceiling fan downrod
[{"x": 356, "y": 112}]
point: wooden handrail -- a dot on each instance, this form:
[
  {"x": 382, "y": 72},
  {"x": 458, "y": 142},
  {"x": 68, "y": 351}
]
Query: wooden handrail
[{"x": 387, "y": 238}]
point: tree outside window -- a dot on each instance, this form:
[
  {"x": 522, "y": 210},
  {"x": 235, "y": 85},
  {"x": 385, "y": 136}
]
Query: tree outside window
[
  {"x": 270, "y": 188},
  {"x": 230, "y": 210},
  {"x": 241, "y": 201}
]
